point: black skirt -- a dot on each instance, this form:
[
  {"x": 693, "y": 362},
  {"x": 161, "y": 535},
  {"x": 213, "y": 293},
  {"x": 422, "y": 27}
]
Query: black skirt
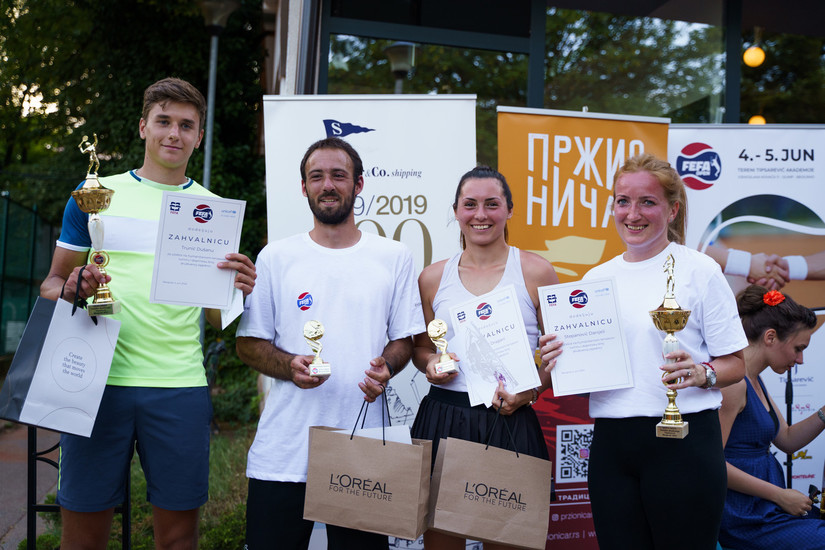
[{"x": 445, "y": 413}]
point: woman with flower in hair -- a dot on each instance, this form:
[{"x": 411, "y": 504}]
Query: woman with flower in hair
[{"x": 759, "y": 511}]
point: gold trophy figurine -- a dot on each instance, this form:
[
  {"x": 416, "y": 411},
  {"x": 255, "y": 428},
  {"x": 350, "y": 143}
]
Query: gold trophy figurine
[
  {"x": 93, "y": 199},
  {"x": 669, "y": 317},
  {"x": 313, "y": 331},
  {"x": 436, "y": 329}
]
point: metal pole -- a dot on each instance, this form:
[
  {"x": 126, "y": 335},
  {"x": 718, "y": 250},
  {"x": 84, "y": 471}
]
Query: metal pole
[
  {"x": 32, "y": 257},
  {"x": 31, "y": 489},
  {"x": 732, "y": 22},
  {"x": 210, "y": 110},
  {"x": 788, "y": 415},
  {"x": 3, "y": 243}
]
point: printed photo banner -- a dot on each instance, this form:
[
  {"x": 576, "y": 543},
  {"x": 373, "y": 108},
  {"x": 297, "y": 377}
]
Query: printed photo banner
[
  {"x": 560, "y": 167},
  {"x": 759, "y": 189}
]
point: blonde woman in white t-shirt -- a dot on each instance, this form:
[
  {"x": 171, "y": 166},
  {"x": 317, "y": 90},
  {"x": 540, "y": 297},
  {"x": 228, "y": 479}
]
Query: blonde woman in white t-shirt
[{"x": 648, "y": 492}]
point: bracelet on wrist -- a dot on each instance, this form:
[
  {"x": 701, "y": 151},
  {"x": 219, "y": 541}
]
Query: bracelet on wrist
[
  {"x": 710, "y": 375},
  {"x": 389, "y": 368},
  {"x": 821, "y": 415}
]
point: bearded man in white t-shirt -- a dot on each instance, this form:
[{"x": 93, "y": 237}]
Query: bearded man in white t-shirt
[{"x": 362, "y": 289}]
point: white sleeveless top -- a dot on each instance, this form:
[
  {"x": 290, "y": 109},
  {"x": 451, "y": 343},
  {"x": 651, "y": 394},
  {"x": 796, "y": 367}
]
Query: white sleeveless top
[{"x": 451, "y": 291}]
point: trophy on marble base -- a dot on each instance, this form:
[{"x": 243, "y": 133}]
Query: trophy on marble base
[
  {"x": 670, "y": 318},
  {"x": 313, "y": 331},
  {"x": 436, "y": 329},
  {"x": 93, "y": 199}
]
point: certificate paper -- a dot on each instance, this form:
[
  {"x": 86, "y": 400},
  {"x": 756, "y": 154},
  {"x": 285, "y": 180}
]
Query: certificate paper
[
  {"x": 585, "y": 316},
  {"x": 194, "y": 234},
  {"x": 491, "y": 343}
]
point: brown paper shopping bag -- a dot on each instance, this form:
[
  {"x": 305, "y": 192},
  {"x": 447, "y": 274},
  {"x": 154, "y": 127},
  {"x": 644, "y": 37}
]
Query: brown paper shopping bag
[
  {"x": 368, "y": 484},
  {"x": 490, "y": 494}
]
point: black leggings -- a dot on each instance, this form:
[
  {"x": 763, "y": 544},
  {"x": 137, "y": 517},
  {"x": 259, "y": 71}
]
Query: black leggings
[{"x": 649, "y": 492}]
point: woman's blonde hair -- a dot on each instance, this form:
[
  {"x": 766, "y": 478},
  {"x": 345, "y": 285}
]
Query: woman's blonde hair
[{"x": 671, "y": 183}]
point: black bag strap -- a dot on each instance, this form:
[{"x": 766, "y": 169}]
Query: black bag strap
[
  {"x": 362, "y": 415},
  {"x": 78, "y": 302},
  {"x": 506, "y": 425}
]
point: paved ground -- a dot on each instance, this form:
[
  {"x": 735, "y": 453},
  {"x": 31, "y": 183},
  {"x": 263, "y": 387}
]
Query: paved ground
[{"x": 13, "y": 480}]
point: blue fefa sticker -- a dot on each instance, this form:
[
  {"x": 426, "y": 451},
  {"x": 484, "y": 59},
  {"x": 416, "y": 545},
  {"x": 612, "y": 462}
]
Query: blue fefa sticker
[
  {"x": 202, "y": 213},
  {"x": 484, "y": 311},
  {"x": 304, "y": 301},
  {"x": 578, "y": 299}
]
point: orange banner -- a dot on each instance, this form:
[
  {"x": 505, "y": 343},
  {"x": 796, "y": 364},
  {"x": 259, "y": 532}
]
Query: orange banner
[{"x": 560, "y": 167}]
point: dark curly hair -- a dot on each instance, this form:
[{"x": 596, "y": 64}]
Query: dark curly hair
[{"x": 786, "y": 317}]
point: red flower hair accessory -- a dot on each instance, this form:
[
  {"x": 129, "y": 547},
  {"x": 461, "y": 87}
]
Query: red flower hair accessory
[{"x": 773, "y": 298}]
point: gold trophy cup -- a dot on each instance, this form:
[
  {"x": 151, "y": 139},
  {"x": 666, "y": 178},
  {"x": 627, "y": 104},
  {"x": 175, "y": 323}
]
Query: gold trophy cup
[
  {"x": 436, "y": 329},
  {"x": 670, "y": 318},
  {"x": 313, "y": 331},
  {"x": 93, "y": 199}
]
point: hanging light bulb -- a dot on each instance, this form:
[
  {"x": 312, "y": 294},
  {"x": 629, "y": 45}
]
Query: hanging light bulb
[
  {"x": 757, "y": 119},
  {"x": 755, "y": 55}
]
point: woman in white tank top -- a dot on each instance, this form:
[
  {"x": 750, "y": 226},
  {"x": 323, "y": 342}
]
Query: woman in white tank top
[{"x": 483, "y": 204}]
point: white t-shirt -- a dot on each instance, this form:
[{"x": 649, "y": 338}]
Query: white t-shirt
[
  {"x": 713, "y": 329},
  {"x": 364, "y": 296}
]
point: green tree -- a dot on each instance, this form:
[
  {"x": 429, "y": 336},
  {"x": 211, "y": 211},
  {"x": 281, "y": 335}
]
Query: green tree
[
  {"x": 89, "y": 61},
  {"x": 626, "y": 65}
]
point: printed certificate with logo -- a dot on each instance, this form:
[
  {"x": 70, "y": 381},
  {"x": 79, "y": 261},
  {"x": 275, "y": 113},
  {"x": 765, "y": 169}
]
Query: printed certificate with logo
[
  {"x": 196, "y": 232},
  {"x": 585, "y": 316},
  {"x": 491, "y": 342}
]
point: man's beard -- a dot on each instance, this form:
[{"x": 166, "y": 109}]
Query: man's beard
[{"x": 336, "y": 216}]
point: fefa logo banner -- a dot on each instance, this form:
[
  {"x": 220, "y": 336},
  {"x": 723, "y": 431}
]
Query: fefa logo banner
[
  {"x": 560, "y": 167},
  {"x": 762, "y": 196}
]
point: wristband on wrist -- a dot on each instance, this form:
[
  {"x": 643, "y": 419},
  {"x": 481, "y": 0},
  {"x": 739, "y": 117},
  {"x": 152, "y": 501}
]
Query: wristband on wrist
[
  {"x": 389, "y": 368},
  {"x": 797, "y": 267},
  {"x": 821, "y": 415},
  {"x": 738, "y": 262}
]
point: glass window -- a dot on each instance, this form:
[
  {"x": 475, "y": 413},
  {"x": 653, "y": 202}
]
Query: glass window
[
  {"x": 633, "y": 65},
  {"x": 359, "y": 66},
  {"x": 787, "y": 86}
]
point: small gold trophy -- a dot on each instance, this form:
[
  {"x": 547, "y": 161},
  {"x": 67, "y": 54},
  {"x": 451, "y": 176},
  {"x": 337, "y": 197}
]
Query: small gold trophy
[
  {"x": 313, "y": 331},
  {"x": 436, "y": 329},
  {"x": 93, "y": 199},
  {"x": 670, "y": 318}
]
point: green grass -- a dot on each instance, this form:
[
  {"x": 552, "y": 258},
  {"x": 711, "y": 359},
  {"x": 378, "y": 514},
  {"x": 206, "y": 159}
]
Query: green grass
[{"x": 222, "y": 518}]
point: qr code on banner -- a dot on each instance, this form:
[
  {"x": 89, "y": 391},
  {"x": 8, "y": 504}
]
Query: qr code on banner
[{"x": 573, "y": 452}]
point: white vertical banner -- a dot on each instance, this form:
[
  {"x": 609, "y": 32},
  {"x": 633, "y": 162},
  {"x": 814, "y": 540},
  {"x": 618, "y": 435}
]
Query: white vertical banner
[
  {"x": 759, "y": 189},
  {"x": 414, "y": 149}
]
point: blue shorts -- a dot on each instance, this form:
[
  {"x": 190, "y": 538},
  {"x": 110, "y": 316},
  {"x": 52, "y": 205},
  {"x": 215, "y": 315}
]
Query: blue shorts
[{"x": 171, "y": 429}]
